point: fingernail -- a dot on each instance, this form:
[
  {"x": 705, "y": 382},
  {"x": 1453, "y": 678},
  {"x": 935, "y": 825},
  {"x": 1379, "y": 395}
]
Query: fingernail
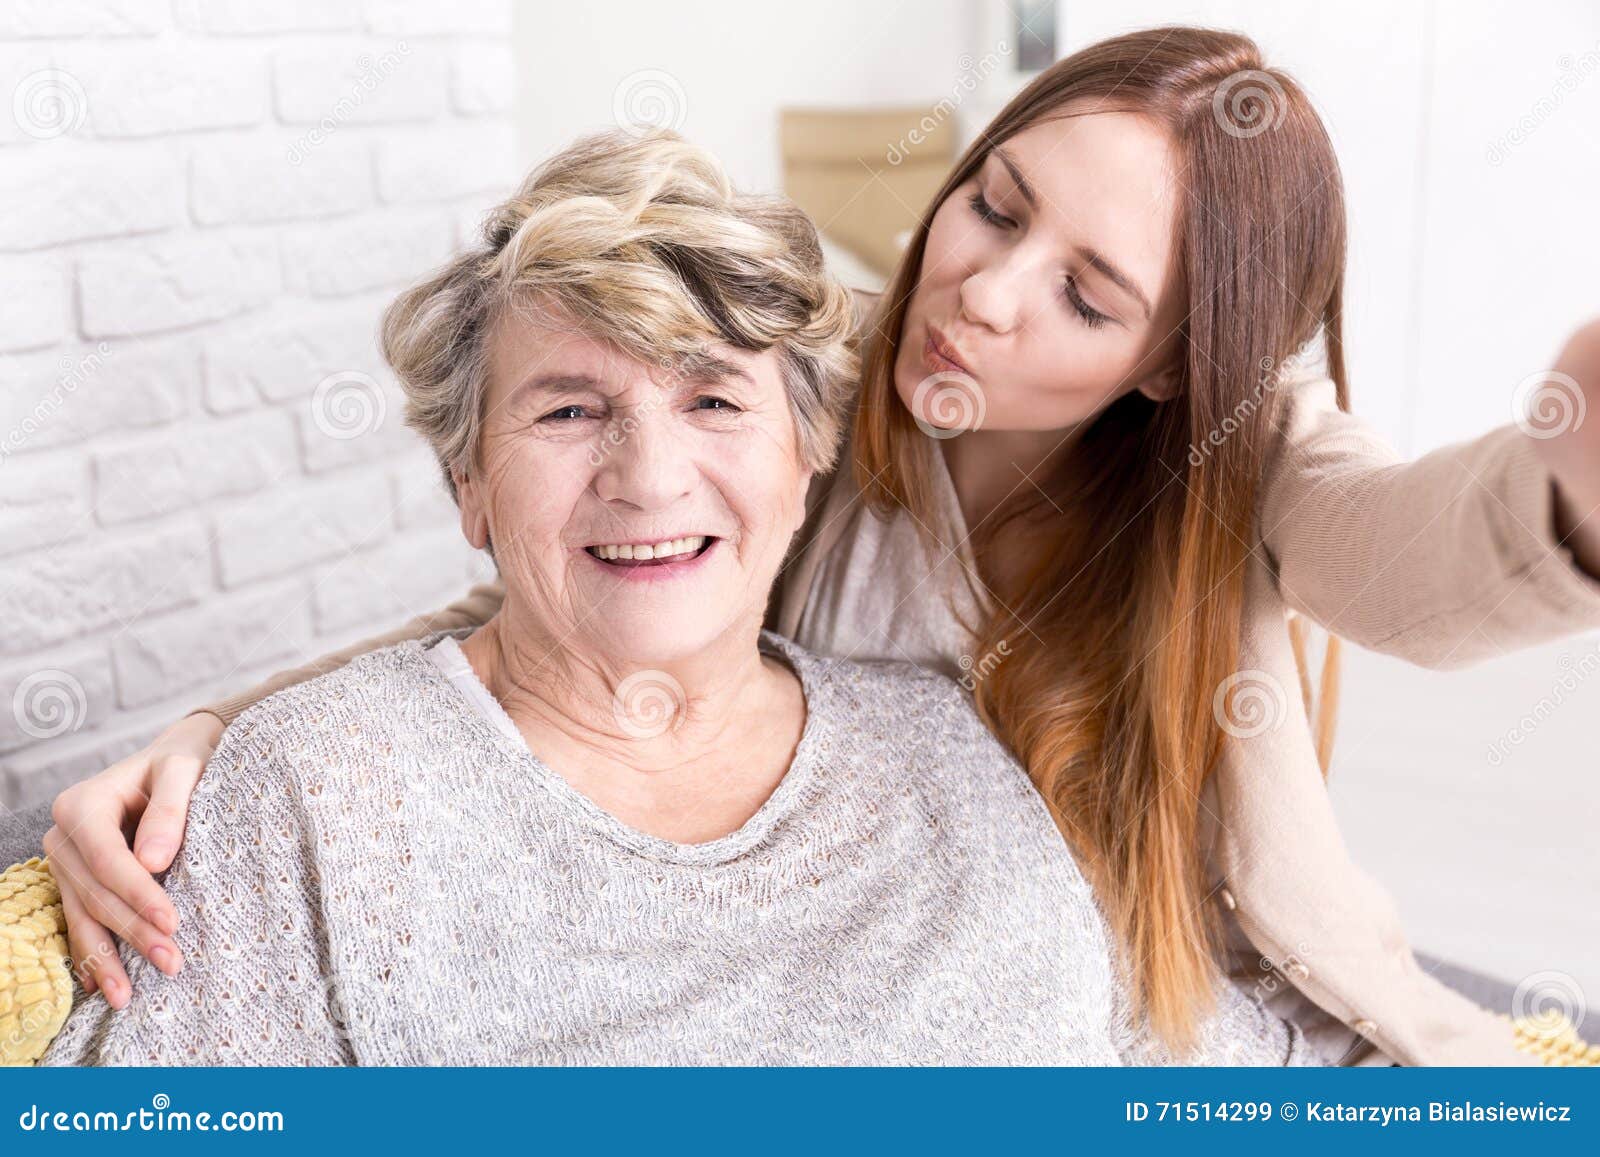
[
  {"x": 161, "y": 957},
  {"x": 155, "y": 852},
  {"x": 163, "y": 918}
]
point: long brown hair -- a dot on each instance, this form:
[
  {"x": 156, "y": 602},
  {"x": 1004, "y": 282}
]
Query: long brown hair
[{"x": 1138, "y": 588}]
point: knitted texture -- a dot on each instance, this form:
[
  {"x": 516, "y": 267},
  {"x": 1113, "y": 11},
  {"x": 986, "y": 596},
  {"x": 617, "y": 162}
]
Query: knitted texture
[
  {"x": 35, "y": 982},
  {"x": 1553, "y": 1038},
  {"x": 372, "y": 873}
]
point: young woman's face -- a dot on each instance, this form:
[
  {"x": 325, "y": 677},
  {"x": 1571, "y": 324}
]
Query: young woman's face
[{"x": 1049, "y": 284}]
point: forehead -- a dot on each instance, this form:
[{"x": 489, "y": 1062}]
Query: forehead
[
  {"x": 527, "y": 342},
  {"x": 1103, "y": 179}
]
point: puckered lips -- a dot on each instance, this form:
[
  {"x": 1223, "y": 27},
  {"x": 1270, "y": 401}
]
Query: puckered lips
[{"x": 940, "y": 355}]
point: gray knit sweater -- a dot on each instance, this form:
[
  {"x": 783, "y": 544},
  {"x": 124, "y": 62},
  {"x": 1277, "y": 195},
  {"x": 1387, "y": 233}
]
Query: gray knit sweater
[{"x": 374, "y": 872}]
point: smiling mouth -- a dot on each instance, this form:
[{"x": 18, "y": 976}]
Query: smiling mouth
[{"x": 651, "y": 554}]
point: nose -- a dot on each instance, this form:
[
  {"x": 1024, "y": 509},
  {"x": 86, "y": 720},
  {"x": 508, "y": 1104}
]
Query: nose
[
  {"x": 645, "y": 465},
  {"x": 991, "y": 297}
]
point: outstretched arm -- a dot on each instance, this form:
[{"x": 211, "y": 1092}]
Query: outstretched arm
[{"x": 1465, "y": 553}]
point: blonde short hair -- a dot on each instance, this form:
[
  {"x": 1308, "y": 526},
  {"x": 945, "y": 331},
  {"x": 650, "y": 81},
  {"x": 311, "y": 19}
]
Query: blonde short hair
[{"x": 642, "y": 241}]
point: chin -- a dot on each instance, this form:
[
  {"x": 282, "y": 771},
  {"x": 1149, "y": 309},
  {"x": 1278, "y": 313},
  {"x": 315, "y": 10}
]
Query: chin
[{"x": 907, "y": 375}]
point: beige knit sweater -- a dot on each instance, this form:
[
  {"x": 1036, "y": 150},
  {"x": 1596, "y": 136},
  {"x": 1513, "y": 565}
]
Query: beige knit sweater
[{"x": 378, "y": 870}]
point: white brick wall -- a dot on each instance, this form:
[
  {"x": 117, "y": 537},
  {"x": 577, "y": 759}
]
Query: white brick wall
[{"x": 204, "y": 207}]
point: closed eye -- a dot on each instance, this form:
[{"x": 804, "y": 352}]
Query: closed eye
[
  {"x": 987, "y": 212},
  {"x": 1092, "y": 317}
]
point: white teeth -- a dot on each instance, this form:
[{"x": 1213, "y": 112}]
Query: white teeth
[{"x": 645, "y": 551}]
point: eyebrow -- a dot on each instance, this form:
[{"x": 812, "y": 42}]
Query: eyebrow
[
  {"x": 701, "y": 368},
  {"x": 554, "y": 383},
  {"x": 1094, "y": 257},
  {"x": 1117, "y": 277}
]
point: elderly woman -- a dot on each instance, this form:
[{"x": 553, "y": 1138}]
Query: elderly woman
[{"x": 620, "y": 823}]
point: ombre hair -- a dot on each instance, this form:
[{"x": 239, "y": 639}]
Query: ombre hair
[
  {"x": 642, "y": 242},
  {"x": 1135, "y": 566}
]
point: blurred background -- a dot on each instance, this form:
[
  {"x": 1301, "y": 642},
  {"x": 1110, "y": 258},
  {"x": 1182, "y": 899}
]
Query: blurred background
[{"x": 204, "y": 207}]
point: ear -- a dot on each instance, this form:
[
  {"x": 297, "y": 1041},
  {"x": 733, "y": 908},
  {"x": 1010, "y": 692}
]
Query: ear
[
  {"x": 1161, "y": 386},
  {"x": 474, "y": 514},
  {"x": 806, "y": 475}
]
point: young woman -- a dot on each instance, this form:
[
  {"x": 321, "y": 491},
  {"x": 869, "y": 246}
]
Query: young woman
[{"x": 1092, "y": 480}]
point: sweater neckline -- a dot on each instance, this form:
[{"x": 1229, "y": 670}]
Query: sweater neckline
[{"x": 490, "y": 717}]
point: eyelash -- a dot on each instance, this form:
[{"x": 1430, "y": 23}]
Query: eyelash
[
  {"x": 554, "y": 415},
  {"x": 1092, "y": 317}
]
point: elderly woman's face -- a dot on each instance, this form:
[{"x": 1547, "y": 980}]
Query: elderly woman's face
[{"x": 641, "y": 515}]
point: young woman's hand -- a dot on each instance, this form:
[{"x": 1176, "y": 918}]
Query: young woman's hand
[
  {"x": 1564, "y": 421},
  {"x": 108, "y": 889}
]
